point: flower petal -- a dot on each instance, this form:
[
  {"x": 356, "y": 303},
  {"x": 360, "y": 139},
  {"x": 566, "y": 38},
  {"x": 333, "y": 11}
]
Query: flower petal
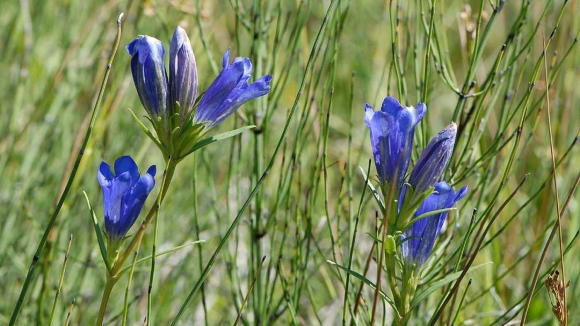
[
  {"x": 126, "y": 164},
  {"x": 229, "y": 91},
  {"x": 182, "y": 73},
  {"x": 392, "y": 131},
  {"x": 123, "y": 194},
  {"x": 433, "y": 161}
]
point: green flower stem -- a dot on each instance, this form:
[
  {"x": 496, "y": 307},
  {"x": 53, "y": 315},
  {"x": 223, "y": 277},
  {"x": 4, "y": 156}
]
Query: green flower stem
[
  {"x": 409, "y": 286},
  {"x": 111, "y": 281},
  {"x": 381, "y": 252},
  {"x": 391, "y": 268}
]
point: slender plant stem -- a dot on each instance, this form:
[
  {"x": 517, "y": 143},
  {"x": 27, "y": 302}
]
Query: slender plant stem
[
  {"x": 237, "y": 219},
  {"x": 381, "y": 253},
  {"x": 111, "y": 281}
]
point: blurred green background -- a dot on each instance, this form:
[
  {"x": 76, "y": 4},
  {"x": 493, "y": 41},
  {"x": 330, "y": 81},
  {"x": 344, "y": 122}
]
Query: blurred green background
[{"x": 53, "y": 55}]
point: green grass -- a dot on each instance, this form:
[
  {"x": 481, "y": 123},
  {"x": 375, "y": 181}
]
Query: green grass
[{"x": 306, "y": 200}]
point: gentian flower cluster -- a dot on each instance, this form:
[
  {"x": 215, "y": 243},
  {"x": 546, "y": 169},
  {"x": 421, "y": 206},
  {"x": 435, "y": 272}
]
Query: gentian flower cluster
[
  {"x": 392, "y": 131},
  {"x": 179, "y": 119},
  {"x": 124, "y": 194}
]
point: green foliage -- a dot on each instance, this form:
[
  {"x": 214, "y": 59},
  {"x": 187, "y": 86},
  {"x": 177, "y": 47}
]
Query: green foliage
[{"x": 290, "y": 189}]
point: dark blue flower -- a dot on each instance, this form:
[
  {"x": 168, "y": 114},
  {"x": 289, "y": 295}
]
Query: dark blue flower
[
  {"x": 433, "y": 161},
  {"x": 229, "y": 91},
  {"x": 123, "y": 194},
  {"x": 149, "y": 74},
  {"x": 392, "y": 130},
  {"x": 418, "y": 240}
]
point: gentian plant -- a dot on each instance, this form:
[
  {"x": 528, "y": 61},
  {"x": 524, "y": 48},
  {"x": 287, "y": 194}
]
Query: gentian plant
[
  {"x": 180, "y": 119},
  {"x": 414, "y": 209}
]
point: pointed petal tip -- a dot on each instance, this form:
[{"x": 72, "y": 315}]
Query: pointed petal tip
[
  {"x": 226, "y": 59},
  {"x": 421, "y": 109},
  {"x": 152, "y": 170}
]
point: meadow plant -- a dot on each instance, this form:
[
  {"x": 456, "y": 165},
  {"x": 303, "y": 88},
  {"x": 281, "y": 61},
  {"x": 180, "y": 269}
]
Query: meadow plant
[
  {"x": 294, "y": 217},
  {"x": 415, "y": 210},
  {"x": 179, "y": 124}
]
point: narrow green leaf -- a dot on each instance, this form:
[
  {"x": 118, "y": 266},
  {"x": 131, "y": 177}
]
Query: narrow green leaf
[
  {"x": 212, "y": 139},
  {"x": 99, "y": 233},
  {"x": 431, "y": 213},
  {"x": 148, "y": 258},
  {"x": 367, "y": 282},
  {"x": 439, "y": 284}
]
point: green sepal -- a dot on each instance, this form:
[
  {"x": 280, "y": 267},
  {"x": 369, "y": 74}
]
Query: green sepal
[
  {"x": 149, "y": 134},
  {"x": 409, "y": 207},
  {"x": 189, "y": 136},
  {"x": 390, "y": 246},
  {"x": 99, "y": 232}
]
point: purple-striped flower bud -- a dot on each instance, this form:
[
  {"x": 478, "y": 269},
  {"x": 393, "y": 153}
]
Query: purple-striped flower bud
[
  {"x": 149, "y": 74},
  {"x": 229, "y": 91},
  {"x": 124, "y": 194},
  {"x": 392, "y": 130},
  {"x": 182, "y": 73},
  {"x": 419, "y": 238},
  {"x": 433, "y": 161}
]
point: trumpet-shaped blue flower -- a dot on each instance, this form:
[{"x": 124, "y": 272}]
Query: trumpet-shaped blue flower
[
  {"x": 392, "y": 130},
  {"x": 124, "y": 194},
  {"x": 419, "y": 239},
  {"x": 229, "y": 91},
  {"x": 433, "y": 161}
]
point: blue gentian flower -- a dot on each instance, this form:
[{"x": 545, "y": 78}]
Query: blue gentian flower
[
  {"x": 418, "y": 240},
  {"x": 392, "y": 130},
  {"x": 433, "y": 160},
  {"x": 124, "y": 194},
  {"x": 229, "y": 91}
]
